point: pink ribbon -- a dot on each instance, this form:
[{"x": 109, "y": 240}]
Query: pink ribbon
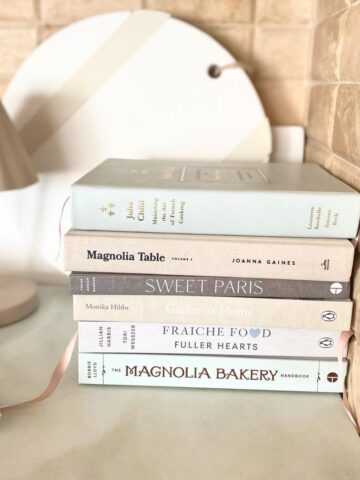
[
  {"x": 55, "y": 379},
  {"x": 64, "y": 361},
  {"x": 60, "y": 228},
  {"x": 342, "y": 351}
]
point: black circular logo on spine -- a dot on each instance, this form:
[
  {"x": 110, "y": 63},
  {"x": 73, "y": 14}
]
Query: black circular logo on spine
[
  {"x": 332, "y": 377},
  {"x": 326, "y": 342},
  {"x": 328, "y": 316}
]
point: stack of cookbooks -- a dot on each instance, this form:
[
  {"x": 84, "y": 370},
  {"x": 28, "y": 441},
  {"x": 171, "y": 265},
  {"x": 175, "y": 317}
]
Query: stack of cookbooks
[{"x": 212, "y": 275}]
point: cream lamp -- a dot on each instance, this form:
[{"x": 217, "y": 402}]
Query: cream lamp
[{"x": 18, "y": 296}]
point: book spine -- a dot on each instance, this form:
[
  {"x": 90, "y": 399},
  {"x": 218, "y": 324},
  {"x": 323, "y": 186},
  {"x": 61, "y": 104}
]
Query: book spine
[
  {"x": 239, "y": 373},
  {"x": 322, "y": 215},
  {"x": 328, "y": 260},
  {"x": 261, "y": 312},
  {"x": 116, "y": 284},
  {"x": 113, "y": 337}
]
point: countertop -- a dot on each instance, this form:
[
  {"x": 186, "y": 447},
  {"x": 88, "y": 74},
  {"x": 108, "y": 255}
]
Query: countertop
[{"x": 96, "y": 432}]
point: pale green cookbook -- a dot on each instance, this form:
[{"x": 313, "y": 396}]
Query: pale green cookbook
[{"x": 291, "y": 200}]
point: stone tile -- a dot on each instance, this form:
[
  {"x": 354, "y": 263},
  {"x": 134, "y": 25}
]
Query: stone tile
[
  {"x": 281, "y": 53},
  {"x": 329, "y": 7},
  {"x": 3, "y": 86},
  {"x": 356, "y": 280},
  {"x": 206, "y": 10},
  {"x": 46, "y": 31},
  {"x": 345, "y": 171},
  {"x": 327, "y": 48},
  {"x": 63, "y": 11},
  {"x": 235, "y": 38},
  {"x": 279, "y": 11},
  {"x": 322, "y": 112},
  {"x": 284, "y": 102},
  {"x": 339, "y": 167},
  {"x": 15, "y": 45},
  {"x": 315, "y": 153},
  {"x": 17, "y": 9},
  {"x": 346, "y": 138},
  {"x": 350, "y": 56}
]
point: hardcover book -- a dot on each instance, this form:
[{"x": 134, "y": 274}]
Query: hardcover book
[
  {"x": 116, "y": 337},
  {"x": 131, "y": 284},
  {"x": 212, "y": 372},
  {"x": 261, "y": 312},
  {"x": 292, "y": 200},
  {"x": 263, "y": 257}
]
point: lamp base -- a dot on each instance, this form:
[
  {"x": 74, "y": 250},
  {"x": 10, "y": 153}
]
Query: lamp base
[{"x": 18, "y": 298}]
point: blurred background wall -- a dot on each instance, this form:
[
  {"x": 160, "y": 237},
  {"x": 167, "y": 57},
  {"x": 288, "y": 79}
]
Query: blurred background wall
[
  {"x": 272, "y": 36},
  {"x": 304, "y": 56}
]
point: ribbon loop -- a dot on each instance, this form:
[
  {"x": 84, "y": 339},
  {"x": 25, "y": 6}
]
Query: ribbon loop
[{"x": 55, "y": 379}]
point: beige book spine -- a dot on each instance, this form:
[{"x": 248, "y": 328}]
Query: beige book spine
[
  {"x": 276, "y": 313},
  {"x": 298, "y": 259}
]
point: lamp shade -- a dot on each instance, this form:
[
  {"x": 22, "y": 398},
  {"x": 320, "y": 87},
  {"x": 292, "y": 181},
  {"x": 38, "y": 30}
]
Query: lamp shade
[{"x": 15, "y": 165}]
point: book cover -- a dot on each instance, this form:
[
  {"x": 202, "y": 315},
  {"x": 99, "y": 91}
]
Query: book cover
[
  {"x": 292, "y": 200},
  {"x": 263, "y": 257},
  {"x": 261, "y": 312},
  {"x": 116, "y": 337},
  {"x": 212, "y": 372},
  {"x": 132, "y": 284}
]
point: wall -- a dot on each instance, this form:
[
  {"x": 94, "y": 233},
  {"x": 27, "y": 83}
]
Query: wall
[
  {"x": 272, "y": 36},
  {"x": 334, "y": 111}
]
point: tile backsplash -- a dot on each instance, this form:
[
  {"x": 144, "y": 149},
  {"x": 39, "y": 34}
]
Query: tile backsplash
[
  {"x": 273, "y": 37},
  {"x": 334, "y": 106}
]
